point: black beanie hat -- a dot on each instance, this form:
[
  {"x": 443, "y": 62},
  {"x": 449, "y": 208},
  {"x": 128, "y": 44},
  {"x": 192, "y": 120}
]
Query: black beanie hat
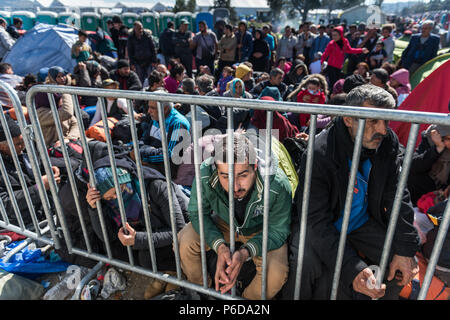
[
  {"x": 122, "y": 63},
  {"x": 14, "y": 129}
]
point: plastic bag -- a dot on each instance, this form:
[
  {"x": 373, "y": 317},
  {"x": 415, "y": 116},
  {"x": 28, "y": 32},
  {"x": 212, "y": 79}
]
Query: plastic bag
[{"x": 113, "y": 282}]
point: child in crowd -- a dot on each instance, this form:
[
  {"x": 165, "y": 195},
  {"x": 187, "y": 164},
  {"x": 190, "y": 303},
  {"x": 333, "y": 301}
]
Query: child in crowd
[
  {"x": 81, "y": 51},
  {"x": 227, "y": 76},
  {"x": 312, "y": 91},
  {"x": 284, "y": 65},
  {"x": 378, "y": 55},
  {"x": 400, "y": 82}
]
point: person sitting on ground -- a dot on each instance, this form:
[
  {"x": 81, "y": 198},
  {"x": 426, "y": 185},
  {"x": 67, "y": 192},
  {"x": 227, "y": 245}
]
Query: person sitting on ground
[
  {"x": 128, "y": 79},
  {"x": 245, "y": 73},
  {"x": 380, "y": 78},
  {"x": 377, "y": 181},
  {"x": 81, "y": 50},
  {"x": 284, "y": 65},
  {"x": 105, "y": 61},
  {"x": 363, "y": 70},
  {"x": 248, "y": 193},
  {"x": 154, "y": 81},
  {"x": 115, "y": 107},
  {"x": 187, "y": 87},
  {"x": 227, "y": 76},
  {"x": 89, "y": 74},
  {"x": 316, "y": 66},
  {"x": 28, "y": 81},
  {"x": 276, "y": 80},
  {"x": 298, "y": 71},
  {"x": 136, "y": 236},
  {"x": 400, "y": 82},
  {"x": 13, "y": 177},
  {"x": 172, "y": 82},
  {"x": 352, "y": 81},
  {"x": 7, "y": 75},
  {"x": 177, "y": 129},
  {"x": 377, "y": 56},
  {"x": 430, "y": 167},
  {"x": 163, "y": 69}
]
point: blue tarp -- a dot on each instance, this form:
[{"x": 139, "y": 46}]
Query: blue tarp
[
  {"x": 43, "y": 46},
  {"x": 31, "y": 263}
]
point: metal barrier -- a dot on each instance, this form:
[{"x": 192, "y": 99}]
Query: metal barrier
[{"x": 36, "y": 135}]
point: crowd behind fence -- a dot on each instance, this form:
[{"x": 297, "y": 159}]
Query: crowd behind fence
[{"x": 35, "y": 146}]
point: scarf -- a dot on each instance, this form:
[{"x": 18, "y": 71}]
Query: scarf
[
  {"x": 440, "y": 170},
  {"x": 130, "y": 194}
]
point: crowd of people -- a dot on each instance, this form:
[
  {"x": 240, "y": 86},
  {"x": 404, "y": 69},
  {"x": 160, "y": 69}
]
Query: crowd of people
[{"x": 305, "y": 66}]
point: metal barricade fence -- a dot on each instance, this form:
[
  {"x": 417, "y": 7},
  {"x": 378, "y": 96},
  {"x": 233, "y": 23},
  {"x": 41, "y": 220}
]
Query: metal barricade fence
[{"x": 33, "y": 133}]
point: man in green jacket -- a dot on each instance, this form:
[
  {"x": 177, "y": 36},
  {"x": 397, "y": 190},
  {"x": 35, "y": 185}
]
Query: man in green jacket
[{"x": 248, "y": 220}]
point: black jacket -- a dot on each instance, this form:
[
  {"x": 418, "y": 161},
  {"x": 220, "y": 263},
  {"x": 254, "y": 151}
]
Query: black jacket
[
  {"x": 131, "y": 82},
  {"x": 19, "y": 194},
  {"x": 166, "y": 43},
  {"x": 330, "y": 174},
  {"x": 260, "y": 64},
  {"x": 141, "y": 51},
  {"x": 256, "y": 91}
]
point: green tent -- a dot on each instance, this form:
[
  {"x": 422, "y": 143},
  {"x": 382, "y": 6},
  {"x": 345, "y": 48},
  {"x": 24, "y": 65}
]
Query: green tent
[
  {"x": 400, "y": 45},
  {"x": 426, "y": 69}
]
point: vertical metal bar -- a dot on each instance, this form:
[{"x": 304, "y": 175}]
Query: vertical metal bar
[
  {"x": 3, "y": 212},
  {"x": 31, "y": 152},
  {"x": 90, "y": 167},
  {"x": 162, "y": 125},
  {"x": 305, "y": 204},
  {"x": 23, "y": 183},
  {"x": 347, "y": 208},
  {"x": 49, "y": 172},
  {"x": 438, "y": 243},
  {"x": 413, "y": 132},
  {"x": 112, "y": 161},
  {"x": 267, "y": 173},
  {"x": 72, "y": 182},
  {"x": 11, "y": 193},
  {"x": 198, "y": 182},
  {"x": 145, "y": 201},
  {"x": 230, "y": 158}
]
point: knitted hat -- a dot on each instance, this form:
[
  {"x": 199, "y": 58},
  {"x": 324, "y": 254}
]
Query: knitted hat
[
  {"x": 105, "y": 179},
  {"x": 55, "y": 70},
  {"x": 242, "y": 70},
  {"x": 122, "y": 63},
  {"x": 272, "y": 92},
  {"x": 42, "y": 74},
  {"x": 14, "y": 129}
]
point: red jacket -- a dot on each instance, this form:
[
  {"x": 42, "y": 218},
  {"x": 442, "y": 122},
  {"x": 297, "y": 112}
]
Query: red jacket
[
  {"x": 335, "y": 54},
  {"x": 305, "y": 97}
]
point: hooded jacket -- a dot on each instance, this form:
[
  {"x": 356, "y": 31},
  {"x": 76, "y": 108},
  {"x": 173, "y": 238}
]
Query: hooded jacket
[
  {"x": 215, "y": 201},
  {"x": 402, "y": 76},
  {"x": 336, "y": 54},
  {"x": 329, "y": 180}
]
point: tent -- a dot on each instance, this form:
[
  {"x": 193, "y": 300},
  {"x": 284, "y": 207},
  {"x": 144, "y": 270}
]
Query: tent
[
  {"x": 43, "y": 46},
  {"x": 431, "y": 95},
  {"x": 428, "y": 68}
]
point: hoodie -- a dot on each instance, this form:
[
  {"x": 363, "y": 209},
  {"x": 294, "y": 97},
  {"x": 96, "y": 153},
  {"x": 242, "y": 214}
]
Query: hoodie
[
  {"x": 336, "y": 54},
  {"x": 402, "y": 76}
]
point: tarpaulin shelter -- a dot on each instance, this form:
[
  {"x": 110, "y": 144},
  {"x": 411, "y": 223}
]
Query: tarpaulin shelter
[
  {"x": 43, "y": 46},
  {"x": 431, "y": 95}
]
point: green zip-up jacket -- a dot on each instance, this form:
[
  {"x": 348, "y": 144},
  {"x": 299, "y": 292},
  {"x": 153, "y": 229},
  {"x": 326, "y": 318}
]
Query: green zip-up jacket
[{"x": 215, "y": 200}]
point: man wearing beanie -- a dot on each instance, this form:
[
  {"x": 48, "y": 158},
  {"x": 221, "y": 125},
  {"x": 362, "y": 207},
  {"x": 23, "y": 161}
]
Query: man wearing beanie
[
  {"x": 13, "y": 177},
  {"x": 127, "y": 79}
]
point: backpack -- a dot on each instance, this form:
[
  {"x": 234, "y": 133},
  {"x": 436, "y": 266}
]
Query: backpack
[
  {"x": 122, "y": 131},
  {"x": 97, "y": 131},
  {"x": 295, "y": 148}
]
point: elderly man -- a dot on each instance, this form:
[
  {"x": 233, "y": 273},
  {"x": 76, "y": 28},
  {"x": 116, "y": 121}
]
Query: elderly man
[
  {"x": 177, "y": 129},
  {"x": 375, "y": 188},
  {"x": 421, "y": 48},
  {"x": 248, "y": 194},
  {"x": 276, "y": 80},
  {"x": 141, "y": 51}
]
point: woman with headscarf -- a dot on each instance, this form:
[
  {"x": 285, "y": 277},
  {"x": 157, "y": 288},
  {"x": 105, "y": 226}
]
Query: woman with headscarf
[
  {"x": 57, "y": 75},
  {"x": 296, "y": 73},
  {"x": 135, "y": 234},
  {"x": 260, "y": 55},
  {"x": 241, "y": 117}
]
